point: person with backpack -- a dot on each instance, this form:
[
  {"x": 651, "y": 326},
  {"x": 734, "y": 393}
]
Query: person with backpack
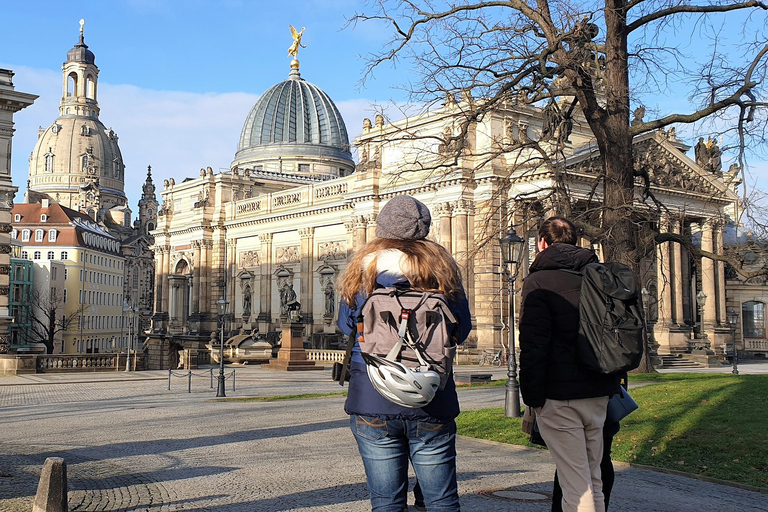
[
  {"x": 402, "y": 398},
  {"x": 570, "y": 399}
]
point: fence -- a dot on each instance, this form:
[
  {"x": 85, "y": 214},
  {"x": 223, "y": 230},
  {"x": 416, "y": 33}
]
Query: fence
[{"x": 188, "y": 375}]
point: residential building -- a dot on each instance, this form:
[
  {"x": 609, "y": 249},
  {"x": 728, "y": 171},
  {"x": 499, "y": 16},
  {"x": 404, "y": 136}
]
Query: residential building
[{"x": 92, "y": 277}]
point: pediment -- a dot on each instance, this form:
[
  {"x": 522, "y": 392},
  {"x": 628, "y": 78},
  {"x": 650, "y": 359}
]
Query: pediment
[{"x": 668, "y": 167}]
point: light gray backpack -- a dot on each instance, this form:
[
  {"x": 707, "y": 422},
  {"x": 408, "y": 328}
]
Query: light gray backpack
[{"x": 422, "y": 320}]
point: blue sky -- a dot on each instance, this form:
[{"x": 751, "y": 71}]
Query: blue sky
[{"x": 177, "y": 78}]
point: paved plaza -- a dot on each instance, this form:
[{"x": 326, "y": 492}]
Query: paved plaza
[{"x": 133, "y": 445}]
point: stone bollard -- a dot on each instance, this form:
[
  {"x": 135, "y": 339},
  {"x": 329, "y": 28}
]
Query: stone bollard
[{"x": 52, "y": 490}]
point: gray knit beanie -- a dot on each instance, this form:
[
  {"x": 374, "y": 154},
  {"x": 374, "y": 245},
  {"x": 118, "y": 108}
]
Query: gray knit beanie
[{"x": 403, "y": 218}]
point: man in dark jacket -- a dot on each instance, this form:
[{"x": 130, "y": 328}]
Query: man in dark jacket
[{"x": 570, "y": 401}]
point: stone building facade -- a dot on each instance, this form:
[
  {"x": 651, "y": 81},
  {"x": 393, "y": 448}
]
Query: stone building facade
[
  {"x": 261, "y": 234},
  {"x": 11, "y": 101}
]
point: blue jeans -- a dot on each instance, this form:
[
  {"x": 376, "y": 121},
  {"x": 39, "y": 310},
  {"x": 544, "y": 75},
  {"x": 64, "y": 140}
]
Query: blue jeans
[{"x": 385, "y": 446}]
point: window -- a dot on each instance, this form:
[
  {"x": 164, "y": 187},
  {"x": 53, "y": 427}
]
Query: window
[
  {"x": 65, "y": 290},
  {"x": 52, "y": 235},
  {"x": 49, "y": 162},
  {"x": 37, "y": 255},
  {"x": 753, "y": 318},
  {"x": 24, "y": 255},
  {"x": 303, "y": 167},
  {"x": 53, "y": 273},
  {"x": 25, "y": 235},
  {"x": 39, "y": 235},
  {"x": 64, "y": 255},
  {"x": 50, "y": 255},
  {"x": 43, "y": 218},
  {"x": 14, "y": 233},
  {"x": 66, "y": 273},
  {"x": 17, "y": 217}
]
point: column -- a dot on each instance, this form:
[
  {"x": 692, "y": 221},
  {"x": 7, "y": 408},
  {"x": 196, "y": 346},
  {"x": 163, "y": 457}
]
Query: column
[
  {"x": 265, "y": 287},
  {"x": 349, "y": 226},
  {"x": 160, "y": 254},
  {"x": 443, "y": 213},
  {"x": 677, "y": 275},
  {"x": 196, "y": 285},
  {"x": 664, "y": 279},
  {"x": 460, "y": 236},
  {"x": 230, "y": 266},
  {"x": 205, "y": 271},
  {"x": 360, "y": 232},
  {"x": 370, "y": 226},
  {"x": 722, "y": 318},
  {"x": 708, "y": 277},
  {"x": 307, "y": 282}
]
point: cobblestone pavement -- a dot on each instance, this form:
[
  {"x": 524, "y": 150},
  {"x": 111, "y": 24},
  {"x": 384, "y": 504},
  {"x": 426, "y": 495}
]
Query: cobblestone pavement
[{"x": 133, "y": 445}]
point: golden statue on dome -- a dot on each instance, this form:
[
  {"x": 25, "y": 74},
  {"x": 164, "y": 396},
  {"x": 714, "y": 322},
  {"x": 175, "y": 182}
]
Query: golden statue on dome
[{"x": 293, "y": 50}]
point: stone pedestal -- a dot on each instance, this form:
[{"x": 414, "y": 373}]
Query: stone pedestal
[
  {"x": 292, "y": 356},
  {"x": 673, "y": 340}
]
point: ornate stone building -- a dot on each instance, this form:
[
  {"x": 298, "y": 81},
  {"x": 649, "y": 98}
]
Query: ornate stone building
[
  {"x": 11, "y": 101},
  {"x": 280, "y": 224}
]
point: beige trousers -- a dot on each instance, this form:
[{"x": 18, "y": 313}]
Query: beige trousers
[{"x": 573, "y": 430}]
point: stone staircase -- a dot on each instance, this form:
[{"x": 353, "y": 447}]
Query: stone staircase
[{"x": 679, "y": 361}]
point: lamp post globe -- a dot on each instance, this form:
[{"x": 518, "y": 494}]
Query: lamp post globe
[
  {"x": 221, "y": 309},
  {"x": 511, "y": 249}
]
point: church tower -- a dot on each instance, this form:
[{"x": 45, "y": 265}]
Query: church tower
[
  {"x": 148, "y": 206},
  {"x": 77, "y": 161}
]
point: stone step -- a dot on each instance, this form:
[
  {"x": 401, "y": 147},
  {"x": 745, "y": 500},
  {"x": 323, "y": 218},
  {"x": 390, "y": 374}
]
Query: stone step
[{"x": 678, "y": 361}]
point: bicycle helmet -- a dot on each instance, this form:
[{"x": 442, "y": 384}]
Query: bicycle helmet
[{"x": 399, "y": 384}]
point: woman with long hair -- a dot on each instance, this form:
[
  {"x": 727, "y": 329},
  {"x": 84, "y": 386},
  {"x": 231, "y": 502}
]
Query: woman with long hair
[{"x": 389, "y": 434}]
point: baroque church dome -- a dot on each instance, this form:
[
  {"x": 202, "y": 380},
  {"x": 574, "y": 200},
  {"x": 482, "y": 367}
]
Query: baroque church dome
[
  {"x": 295, "y": 128},
  {"x": 77, "y": 161}
]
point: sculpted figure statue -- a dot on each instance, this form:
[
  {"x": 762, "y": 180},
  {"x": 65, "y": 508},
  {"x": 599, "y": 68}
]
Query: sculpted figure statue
[{"x": 293, "y": 50}]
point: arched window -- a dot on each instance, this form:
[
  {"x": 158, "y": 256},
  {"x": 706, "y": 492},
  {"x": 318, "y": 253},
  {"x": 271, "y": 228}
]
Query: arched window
[
  {"x": 24, "y": 255},
  {"x": 37, "y": 255},
  {"x": 39, "y": 235},
  {"x": 72, "y": 84},
  {"x": 753, "y": 318},
  {"x": 50, "y": 255},
  {"x": 49, "y": 162},
  {"x": 25, "y": 235},
  {"x": 52, "y": 235},
  {"x": 90, "y": 87}
]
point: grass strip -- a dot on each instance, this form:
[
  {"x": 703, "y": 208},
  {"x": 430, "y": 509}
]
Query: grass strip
[
  {"x": 283, "y": 397},
  {"x": 706, "y": 424}
]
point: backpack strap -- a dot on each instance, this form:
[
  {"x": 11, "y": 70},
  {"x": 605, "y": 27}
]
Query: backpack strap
[{"x": 347, "y": 356}]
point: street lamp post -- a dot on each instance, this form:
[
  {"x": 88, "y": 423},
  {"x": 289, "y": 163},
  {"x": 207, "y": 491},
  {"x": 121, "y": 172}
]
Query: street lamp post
[
  {"x": 733, "y": 317},
  {"x": 701, "y": 300},
  {"x": 511, "y": 249},
  {"x": 645, "y": 296},
  {"x": 221, "y": 309}
]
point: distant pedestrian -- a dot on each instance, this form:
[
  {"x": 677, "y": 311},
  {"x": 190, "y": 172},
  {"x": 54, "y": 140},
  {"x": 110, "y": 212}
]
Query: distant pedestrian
[
  {"x": 388, "y": 434},
  {"x": 570, "y": 401}
]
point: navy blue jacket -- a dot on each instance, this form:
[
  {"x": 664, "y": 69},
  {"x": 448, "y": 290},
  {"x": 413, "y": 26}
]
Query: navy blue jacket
[{"x": 364, "y": 400}]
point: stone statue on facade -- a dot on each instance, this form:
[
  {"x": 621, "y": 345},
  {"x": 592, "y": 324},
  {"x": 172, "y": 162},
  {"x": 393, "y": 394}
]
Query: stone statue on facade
[
  {"x": 287, "y": 295},
  {"x": 330, "y": 299},
  {"x": 247, "y": 302}
]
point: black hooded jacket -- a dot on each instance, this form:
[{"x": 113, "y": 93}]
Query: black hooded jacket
[{"x": 549, "y": 324}]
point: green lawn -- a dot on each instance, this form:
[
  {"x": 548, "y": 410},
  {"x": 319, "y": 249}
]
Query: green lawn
[{"x": 709, "y": 424}]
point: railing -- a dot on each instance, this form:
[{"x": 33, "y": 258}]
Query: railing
[
  {"x": 316, "y": 354},
  {"x": 755, "y": 344},
  {"x": 87, "y": 362}
]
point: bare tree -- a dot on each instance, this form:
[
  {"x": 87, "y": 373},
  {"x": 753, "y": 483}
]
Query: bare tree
[
  {"x": 48, "y": 318},
  {"x": 585, "y": 58}
]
